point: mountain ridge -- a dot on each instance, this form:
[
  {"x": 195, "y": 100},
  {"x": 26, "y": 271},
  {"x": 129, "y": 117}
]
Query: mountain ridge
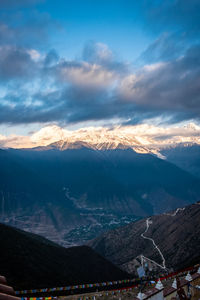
[
  {"x": 30, "y": 261},
  {"x": 171, "y": 241},
  {"x": 54, "y": 193},
  {"x": 148, "y": 137}
]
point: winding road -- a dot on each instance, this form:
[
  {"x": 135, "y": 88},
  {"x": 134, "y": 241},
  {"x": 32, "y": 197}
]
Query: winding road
[
  {"x": 148, "y": 223},
  {"x": 175, "y": 213},
  {"x": 163, "y": 266}
]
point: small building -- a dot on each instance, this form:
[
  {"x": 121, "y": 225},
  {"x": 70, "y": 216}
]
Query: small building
[
  {"x": 190, "y": 285},
  {"x": 185, "y": 288}
]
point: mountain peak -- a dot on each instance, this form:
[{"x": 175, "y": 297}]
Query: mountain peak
[{"x": 142, "y": 138}]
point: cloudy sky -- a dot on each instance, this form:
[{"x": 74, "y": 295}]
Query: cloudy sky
[{"x": 105, "y": 63}]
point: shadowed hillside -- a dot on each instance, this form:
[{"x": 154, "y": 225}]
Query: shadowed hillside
[
  {"x": 30, "y": 261},
  {"x": 54, "y": 193},
  {"x": 176, "y": 234}
]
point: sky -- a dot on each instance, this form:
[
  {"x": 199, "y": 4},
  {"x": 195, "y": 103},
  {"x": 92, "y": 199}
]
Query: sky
[{"x": 107, "y": 63}]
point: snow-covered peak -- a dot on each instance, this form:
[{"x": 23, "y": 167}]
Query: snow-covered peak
[{"x": 143, "y": 138}]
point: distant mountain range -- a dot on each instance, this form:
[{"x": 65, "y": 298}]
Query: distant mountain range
[
  {"x": 71, "y": 196},
  {"x": 168, "y": 241},
  {"x": 141, "y": 138},
  {"x": 185, "y": 156},
  {"x": 29, "y": 261}
]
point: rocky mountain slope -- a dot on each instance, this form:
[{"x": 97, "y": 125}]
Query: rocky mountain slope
[
  {"x": 164, "y": 242},
  {"x": 55, "y": 193},
  {"x": 30, "y": 261}
]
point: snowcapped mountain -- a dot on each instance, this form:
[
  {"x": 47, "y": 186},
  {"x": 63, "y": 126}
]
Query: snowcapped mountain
[
  {"x": 76, "y": 183},
  {"x": 94, "y": 138},
  {"x": 141, "y": 138},
  {"x": 106, "y": 145}
]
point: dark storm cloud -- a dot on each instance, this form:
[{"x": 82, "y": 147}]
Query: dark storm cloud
[
  {"x": 171, "y": 90},
  {"x": 15, "y": 63},
  {"x": 99, "y": 86},
  {"x": 17, "y": 44},
  {"x": 174, "y": 88}
]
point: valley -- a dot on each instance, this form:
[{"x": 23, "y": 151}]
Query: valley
[{"x": 72, "y": 195}]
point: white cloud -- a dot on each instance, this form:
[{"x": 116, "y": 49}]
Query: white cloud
[
  {"x": 34, "y": 54},
  {"x": 153, "y": 67},
  {"x": 2, "y": 137},
  {"x": 103, "y": 51},
  {"x": 86, "y": 74},
  {"x": 132, "y": 87}
]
